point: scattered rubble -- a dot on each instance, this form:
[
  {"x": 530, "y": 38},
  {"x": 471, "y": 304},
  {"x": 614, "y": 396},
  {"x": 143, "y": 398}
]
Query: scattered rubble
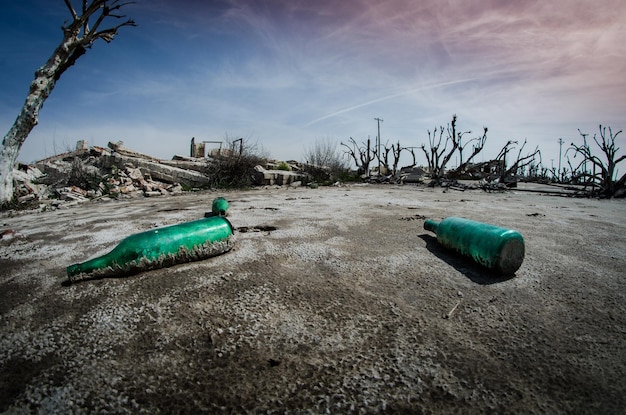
[{"x": 98, "y": 173}]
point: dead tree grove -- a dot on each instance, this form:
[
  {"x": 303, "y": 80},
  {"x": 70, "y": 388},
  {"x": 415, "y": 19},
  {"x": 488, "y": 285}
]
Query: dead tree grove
[
  {"x": 84, "y": 29},
  {"x": 602, "y": 174}
]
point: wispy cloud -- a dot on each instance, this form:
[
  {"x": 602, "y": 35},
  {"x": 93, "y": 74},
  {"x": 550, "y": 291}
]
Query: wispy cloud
[
  {"x": 388, "y": 97},
  {"x": 289, "y": 71}
]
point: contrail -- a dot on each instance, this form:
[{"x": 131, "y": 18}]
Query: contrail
[{"x": 387, "y": 97}]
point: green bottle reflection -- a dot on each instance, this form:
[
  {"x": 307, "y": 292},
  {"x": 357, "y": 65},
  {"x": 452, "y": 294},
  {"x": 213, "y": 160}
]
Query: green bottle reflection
[
  {"x": 158, "y": 248},
  {"x": 499, "y": 249}
]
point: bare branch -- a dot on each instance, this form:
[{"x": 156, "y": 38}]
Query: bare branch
[
  {"x": 455, "y": 144},
  {"x": 72, "y": 11},
  {"x": 475, "y": 149},
  {"x": 109, "y": 34}
]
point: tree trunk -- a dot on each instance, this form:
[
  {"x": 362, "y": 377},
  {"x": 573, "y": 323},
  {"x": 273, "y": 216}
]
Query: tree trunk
[
  {"x": 65, "y": 55},
  {"x": 45, "y": 79},
  {"x": 27, "y": 119}
]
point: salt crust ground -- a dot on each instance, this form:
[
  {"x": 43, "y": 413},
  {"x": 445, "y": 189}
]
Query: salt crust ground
[{"x": 349, "y": 306}]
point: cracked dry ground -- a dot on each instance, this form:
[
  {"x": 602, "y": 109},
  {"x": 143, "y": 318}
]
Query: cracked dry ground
[{"x": 334, "y": 300}]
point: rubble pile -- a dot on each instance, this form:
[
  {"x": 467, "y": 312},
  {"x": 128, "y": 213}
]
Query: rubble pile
[
  {"x": 89, "y": 173},
  {"x": 267, "y": 177}
]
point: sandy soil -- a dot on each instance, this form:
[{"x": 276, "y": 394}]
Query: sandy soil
[{"x": 348, "y": 306}]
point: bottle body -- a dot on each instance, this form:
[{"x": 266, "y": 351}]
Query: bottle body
[
  {"x": 159, "y": 248},
  {"x": 496, "y": 248}
]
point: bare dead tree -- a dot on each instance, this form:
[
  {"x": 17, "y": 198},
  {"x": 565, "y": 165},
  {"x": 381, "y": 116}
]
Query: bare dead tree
[
  {"x": 384, "y": 156},
  {"x": 501, "y": 159},
  {"x": 437, "y": 156},
  {"x": 578, "y": 173},
  {"x": 362, "y": 155},
  {"x": 476, "y": 148},
  {"x": 395, "y": 150},
  {"x": 411, "y": 150},
  {"x": 433, "y": 154},
  {"x": 603, "y": 172},
  {"x": 84, "y": 29},
  {"x": 533, "y": 170},
  {"x": 520, "y": 163}
]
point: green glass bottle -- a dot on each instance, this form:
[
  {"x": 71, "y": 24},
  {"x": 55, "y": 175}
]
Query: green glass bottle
[
  {"x": 499, "y": 249},
  {"x": 219, "y": 206},
  {"x": 158, "y": 248}
]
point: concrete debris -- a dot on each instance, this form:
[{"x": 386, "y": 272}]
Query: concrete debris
[
  {"x": 187, "y": 164},
  {"x": 412, "y": 174},
  {"x": 156, "y": 170},
  {"x": 266, "y": 177},
  {"x": 99, "y": 173},
  {"x": 72, "y": 193},
  {"x": 8, "y": 235}
]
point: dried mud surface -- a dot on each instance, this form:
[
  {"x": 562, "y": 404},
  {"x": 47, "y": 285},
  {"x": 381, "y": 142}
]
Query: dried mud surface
[{"x": 334, "y": 300}]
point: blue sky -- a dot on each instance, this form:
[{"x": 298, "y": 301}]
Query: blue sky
[{"x": 286, "y": 73}]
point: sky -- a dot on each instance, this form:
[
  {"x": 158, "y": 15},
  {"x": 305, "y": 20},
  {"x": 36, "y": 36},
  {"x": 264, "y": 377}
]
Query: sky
[{"x": 287, "y": 74}]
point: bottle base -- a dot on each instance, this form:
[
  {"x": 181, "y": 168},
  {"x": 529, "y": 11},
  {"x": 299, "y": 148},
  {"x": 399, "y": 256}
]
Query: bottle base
[{"x": 511, "y": 257}]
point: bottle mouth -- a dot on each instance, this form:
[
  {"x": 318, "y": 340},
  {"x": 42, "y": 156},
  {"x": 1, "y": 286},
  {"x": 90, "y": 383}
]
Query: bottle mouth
[
  {"x": 431, "y": 225},
  {"x": 73, "y": 270}
]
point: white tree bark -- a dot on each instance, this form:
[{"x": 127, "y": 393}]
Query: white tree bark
[
  {"x": 28, "y": 118},
  {"x": 77, "y": 38}
]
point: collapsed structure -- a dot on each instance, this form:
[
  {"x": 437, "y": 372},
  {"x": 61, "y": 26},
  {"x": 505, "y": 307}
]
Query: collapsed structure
[{"x": 115, "y": 171}]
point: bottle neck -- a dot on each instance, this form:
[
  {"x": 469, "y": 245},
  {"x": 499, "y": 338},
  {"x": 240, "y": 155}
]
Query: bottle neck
[
  {"x": 89, "y": 266},
  {"x": 431, "y": 225}
]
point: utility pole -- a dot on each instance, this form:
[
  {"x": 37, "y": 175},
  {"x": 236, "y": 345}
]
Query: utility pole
[
  {"x": 379, "y": 120},
  {"x": 560, "y": 149},
  {"x": 585, "y": 146}
]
